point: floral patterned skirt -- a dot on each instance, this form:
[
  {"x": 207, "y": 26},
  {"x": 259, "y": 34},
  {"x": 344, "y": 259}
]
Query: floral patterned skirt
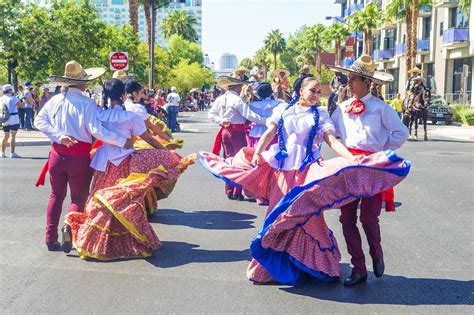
[{"x": 114, "y": 224}]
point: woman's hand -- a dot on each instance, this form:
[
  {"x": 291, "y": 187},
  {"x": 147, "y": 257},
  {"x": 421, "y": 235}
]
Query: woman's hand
[{"x": 257, "y": 159}]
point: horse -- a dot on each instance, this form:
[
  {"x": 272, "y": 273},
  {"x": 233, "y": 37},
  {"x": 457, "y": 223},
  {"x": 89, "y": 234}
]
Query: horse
[{"x": 415, "y": 108}]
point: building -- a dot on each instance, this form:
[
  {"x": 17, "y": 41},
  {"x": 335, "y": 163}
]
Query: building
[
  {"x": 117, "y": 12},
  {"x": 445, "y": 47},
  {"x": 228, "y": 61}
]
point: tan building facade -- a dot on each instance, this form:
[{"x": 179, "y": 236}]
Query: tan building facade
[{"x": 445, "y": 48}]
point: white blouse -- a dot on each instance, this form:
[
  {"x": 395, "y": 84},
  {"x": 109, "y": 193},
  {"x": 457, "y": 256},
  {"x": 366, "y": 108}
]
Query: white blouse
[
  {"x": 123, "y": 123},
  {"x": 298, "y": 121},
  {"x": 378, "y": 128}
]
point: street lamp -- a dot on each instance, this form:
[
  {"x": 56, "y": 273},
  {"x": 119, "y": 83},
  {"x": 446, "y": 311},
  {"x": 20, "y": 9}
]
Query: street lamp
[
  {"x": 356, "y": 44},
  {"x": 152, "y": 48}
]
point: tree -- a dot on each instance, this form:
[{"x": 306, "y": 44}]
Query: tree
[
  {"x": 465, "y": 5},
  {"x": 366, "y": 20},
  {"x": 186, "y": 76},
  {"x": 261, "y": 60},
  {"x": 313, "y": 42},
  {"x": 337, "y": 33},
  {"x": 246, "y": 63},
  {"x": 275, "y": 43},
  {"x": 182, "y": 49},
  {"x": 133, "y": 6},
  {"x": 9, "y": 11},
  {"x": 179, "y": 23}
]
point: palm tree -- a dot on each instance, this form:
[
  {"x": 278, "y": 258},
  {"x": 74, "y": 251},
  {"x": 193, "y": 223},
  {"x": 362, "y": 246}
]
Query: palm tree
[
  {"x": 337, "y": 33},
  {"x": 133, "y": 6},
  {"x": 313, "y": 42},
  {"x": 181, "y": 23},
  {"x": 366, "y": 21},
  {"x": 414, "y": 32},
  {"x": 275, "y": 43}
]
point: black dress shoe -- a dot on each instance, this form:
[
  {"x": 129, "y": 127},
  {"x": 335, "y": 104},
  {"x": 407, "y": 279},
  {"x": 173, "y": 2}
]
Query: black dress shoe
[
  {"x": 66, "y": 244},
  {"x": 379, "y": 267},
  {"x": 239, "y": 197},
  {"x": 355, "y": 278},
  {"x": 53, "y": 246},
  {"x": 231, "y": 196}
]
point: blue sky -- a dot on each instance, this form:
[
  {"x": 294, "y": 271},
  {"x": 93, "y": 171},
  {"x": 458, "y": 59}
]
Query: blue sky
[{"x": 240, "y": 26}]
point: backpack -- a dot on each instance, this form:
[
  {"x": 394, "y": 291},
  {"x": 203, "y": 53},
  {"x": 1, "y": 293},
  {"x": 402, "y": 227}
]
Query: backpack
[{"x": 4, "y": 112}]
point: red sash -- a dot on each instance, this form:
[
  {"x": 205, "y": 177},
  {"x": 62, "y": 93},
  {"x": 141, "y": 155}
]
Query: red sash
[
  {"x": 79, "y": 149},
  {"x": 388, "y": 195},
  {"x": 218, "y": 142}
]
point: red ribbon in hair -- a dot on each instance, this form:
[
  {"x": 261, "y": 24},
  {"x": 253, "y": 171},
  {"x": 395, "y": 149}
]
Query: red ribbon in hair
[
  {"x": 388, "y": 195},
  {"x": 357, "y": 107}
]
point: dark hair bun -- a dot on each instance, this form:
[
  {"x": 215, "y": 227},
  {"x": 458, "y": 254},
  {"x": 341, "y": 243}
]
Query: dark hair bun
[
  {"x": 299, "y": 81},
  {"x": 114, "y": 89},
  {"x": 132, "y": 86}
]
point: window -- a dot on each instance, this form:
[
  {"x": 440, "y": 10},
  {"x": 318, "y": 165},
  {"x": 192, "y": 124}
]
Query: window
[
  {"x": 426, "y": 27},
  {"x": 441, "y": 28},
  {"x": 117, "y": 2},
  {"x": 376, "y": 42},
  {"x": 457, "y": 75},
  {"x": 458, "y": 19},
  {"x": 389, "y": 40}
]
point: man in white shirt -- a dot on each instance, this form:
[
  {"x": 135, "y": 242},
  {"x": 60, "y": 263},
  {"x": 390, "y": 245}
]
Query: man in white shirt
[
  {"x": 172, "y": 101},
  {"x": 70, "y": 121},
  {"x": 231, "y": 112},
  {"x": 366, "y": 125},
  {"x": 13, "y": 123}
]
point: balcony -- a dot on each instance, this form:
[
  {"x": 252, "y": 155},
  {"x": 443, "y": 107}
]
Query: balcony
[
  {"x": 400, "y": 49},
  {"x": 425, "y": 11},
  {"x": 445, "y": 3},
  {"x": 456, "y": 37},
  {"x": 423, "y": 45},
  {"x": 383, "y": 54}
]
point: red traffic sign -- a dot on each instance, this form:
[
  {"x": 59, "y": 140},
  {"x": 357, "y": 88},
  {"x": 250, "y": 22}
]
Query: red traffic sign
[{"x": 118, "y": 60}]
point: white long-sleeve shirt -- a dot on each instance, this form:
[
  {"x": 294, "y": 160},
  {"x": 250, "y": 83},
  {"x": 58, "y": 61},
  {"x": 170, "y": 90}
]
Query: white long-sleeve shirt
[
  {"x": 74, "y": 115},
  {"x": 231, "y": 107},
  {"x": 378, "y": 128}
]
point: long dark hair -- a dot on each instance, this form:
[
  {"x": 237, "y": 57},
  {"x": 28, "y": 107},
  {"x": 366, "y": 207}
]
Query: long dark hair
[{"x": 114, "y": 89}]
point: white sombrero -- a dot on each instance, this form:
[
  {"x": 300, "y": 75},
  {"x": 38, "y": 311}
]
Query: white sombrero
[
  {"x": 74, "y": 74},
  {"x": 120, "y": 74},
  {"x": 416, "y": 69},
  {"x": 276, "y": 73},
  {"x": 365, "y": 67}
]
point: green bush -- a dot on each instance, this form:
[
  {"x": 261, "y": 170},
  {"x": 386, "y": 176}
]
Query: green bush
[
  {"x": 457, "y": 110},
  {"x": 467, "y": 117}
]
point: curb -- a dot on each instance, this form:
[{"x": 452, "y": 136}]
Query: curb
[{"x": 31, "y": 143}]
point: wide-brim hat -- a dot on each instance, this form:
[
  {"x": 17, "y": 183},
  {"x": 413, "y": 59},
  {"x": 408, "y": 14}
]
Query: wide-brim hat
[
  {"x": 74, "y": 74},
  {"x": 304, "y": 69},
  {"x": 120, "y": 74},
  {"x": 419, "y": 79},
  {"x": 416, "y": 69},
  {"x": 277, "y": 72},
  {"x": 365, "y": 67},
  {"x": 224, "y": 81}
]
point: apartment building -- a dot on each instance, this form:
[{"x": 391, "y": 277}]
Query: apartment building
[
  {"x": 445, "y": 47},
  {"x": 116, "y": 12}
]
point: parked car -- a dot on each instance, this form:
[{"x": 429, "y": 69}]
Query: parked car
[{"x": 439, "y": 110}]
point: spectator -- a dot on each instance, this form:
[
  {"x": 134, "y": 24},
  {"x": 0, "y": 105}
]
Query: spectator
[
  {"x": 172, "y": 101},
  {"x": 21, "y": 111},
  {"x": 397, "y": 105},
  {"x": 29, "y": 105},
  {"x": 12, "y": 124},
  {"x": 46, "y": 97}
]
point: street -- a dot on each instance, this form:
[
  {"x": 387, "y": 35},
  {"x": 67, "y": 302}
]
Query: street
[{"x": 201, "y": 266}]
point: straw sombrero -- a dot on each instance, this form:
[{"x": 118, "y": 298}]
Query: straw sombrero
[
  {"x": 74, "y": 74},
  {"x": 120, "y": 74},
  {"x": 224, "y": 81},
  {"x": 305, "y": 69},
  {"x": 276, "y": 73},
  {"x": 241, "y": 73},
  {"x": 365, "y": 67},
  {"x": 416, "y": 69}
]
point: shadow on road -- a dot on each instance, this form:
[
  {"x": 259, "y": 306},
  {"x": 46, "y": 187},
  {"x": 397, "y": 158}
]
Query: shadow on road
[
  {"x": 209, "y": 220},
  {"x": 174, "y": 254},
  {"x": 393, "y": 290}
]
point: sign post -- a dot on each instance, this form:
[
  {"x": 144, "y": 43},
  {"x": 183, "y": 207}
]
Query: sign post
[{"x": 118, "y": 60}]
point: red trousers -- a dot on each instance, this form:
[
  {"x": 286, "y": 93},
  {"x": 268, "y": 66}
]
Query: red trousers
[
  {"x": 232, "y": 141},
  {"x": 370, "y": 209},
  {"x": 64, "y": 170}
]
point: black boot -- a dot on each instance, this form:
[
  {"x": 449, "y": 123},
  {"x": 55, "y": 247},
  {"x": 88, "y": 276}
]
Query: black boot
[
  {"x": 379, "y": 267},
  {"x": 53, "y": 246},
  {"x": 355, "y": 278},
  {"x": 66, "y": 244}
]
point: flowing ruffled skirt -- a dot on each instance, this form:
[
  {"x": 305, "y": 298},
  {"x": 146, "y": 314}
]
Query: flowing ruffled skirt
[
  {"x": 114, "y": 223},
  {"x": 295, "y": 241}
]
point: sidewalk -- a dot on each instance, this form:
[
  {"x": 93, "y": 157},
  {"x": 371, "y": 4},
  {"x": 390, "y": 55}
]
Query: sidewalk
[
  {"x": 457, "y": 132},
  {"x": 30, "y": 138}
]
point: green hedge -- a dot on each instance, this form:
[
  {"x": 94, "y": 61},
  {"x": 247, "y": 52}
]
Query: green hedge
[{"x": 463, "y": 114}]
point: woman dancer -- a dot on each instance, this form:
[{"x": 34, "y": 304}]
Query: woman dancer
[
  {"x": 114, "y": 224},
  {"x": 295, "y": 240}
]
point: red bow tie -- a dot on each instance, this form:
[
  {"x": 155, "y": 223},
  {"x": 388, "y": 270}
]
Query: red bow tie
[{"x": 357, "y": 107}]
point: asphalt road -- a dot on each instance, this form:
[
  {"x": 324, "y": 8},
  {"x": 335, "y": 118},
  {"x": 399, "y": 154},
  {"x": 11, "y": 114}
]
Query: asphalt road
[{"x": 428, "y": 247}]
